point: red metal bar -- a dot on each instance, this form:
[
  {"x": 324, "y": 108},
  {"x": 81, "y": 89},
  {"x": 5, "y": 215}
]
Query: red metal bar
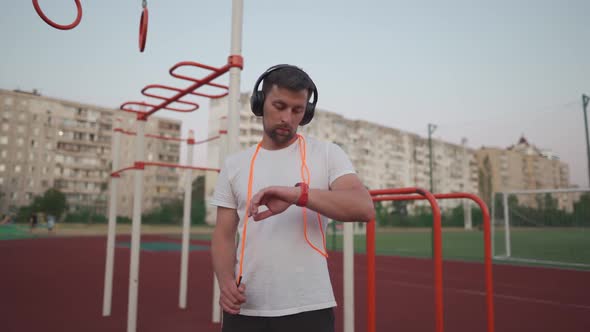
[
  {"x": 143, "y": 28},
  {"x": 180, "y": 166},
  {"x": 59, "y": 26},
  {"x": 233, "y": 61},
  {"x": 199, "y": 65},
  {"x": 117, "y": 174},
  {"x": 487, "y": 243},
  {"x": 125, "y": 107},
  {"x": 437, "y": 256},
  {"x": 208, "y": 139},
  {"x": 132, "y": 133},
  {"x": 141, "y": 165}
]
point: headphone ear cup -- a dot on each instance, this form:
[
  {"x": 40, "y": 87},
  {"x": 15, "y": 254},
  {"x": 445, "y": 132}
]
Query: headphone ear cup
[
  {"x": 309, "y": 112},
  {"x": 257, "y": 103}
]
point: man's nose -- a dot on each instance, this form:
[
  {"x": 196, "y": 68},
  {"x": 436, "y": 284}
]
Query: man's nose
[{"x": 286, "y": 116}]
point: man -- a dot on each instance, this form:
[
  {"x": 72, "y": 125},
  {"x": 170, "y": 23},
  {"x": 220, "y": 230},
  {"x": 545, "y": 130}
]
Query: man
[{"x": 277, "y": 279}]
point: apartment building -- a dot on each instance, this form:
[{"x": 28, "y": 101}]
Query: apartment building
[
  {"x": 523, "y": 166},
  {"x": 384, "y": 157},
  {"x": 49, "y": 142}
]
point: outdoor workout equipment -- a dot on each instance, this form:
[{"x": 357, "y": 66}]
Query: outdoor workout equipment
[
  {"x": 55, "y": 25},
  {"x": 143, "y": 21},
  {"x": 143, "y": 26},
  {"x": 410, "y": 194},
  {"x": 186, "y": 212},
  {"x": 234, "y": 65}
]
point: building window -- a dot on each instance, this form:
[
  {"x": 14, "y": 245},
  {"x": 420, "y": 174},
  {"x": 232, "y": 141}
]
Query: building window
[
  {"x": 3, "y": 153},
  {"x": 17, "y": 168},
  {"x": 3, "y": 140},
  {"x": 20, "y": 142}
]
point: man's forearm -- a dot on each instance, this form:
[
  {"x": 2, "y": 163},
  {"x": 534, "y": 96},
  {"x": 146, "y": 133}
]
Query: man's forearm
[
  {"x": 223, "y": 251},
  {"x": 342, "y": 205}
]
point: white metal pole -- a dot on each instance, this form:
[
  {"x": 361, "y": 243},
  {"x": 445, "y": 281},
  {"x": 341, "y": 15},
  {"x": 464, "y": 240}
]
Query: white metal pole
[
  {"x": 506, "y": 225},
  {"x": 467, "y": 220},
  {"x": 233, "y": 116},
  {"x": 110, "y": 259},
  {"x": 493, "y": 224},
  {"x": 348, "y": 257},
  {"x": 136, "y": 229},
  {"x": 186, "y": 222}
]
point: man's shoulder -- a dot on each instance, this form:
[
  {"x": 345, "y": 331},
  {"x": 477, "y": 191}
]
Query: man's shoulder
[{"x": 240, "y": 156}]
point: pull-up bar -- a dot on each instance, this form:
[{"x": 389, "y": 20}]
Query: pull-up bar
[
  {"x": 436, "y": 246},
  {"x": 140, "y": 165},
  {"x": 233, "y": 61},
  {"x": 166, "y": 138},
  {"x": 487, "y": 243},
  {"x": 55, "y": 25}
]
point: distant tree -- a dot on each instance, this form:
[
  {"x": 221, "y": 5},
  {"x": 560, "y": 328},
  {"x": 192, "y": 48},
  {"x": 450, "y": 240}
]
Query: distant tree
[
  {"x": 198, "y": 209},
  {"x": 53, "y": 202}
]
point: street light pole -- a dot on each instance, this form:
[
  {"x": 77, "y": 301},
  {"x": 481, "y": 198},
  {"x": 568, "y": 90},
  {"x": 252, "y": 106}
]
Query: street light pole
[
  {"x": 431, "y": 129},
  {"x": 585, "y": 100}
]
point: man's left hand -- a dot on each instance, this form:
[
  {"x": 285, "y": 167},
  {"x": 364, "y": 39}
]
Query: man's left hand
[{"x": 276, "y": 199}]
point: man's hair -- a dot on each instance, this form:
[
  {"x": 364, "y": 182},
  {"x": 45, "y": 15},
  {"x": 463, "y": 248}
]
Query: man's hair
[{"x": 288, "y": 78}]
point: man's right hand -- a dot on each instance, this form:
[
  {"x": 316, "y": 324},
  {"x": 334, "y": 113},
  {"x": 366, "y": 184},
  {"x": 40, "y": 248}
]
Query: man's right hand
[{"x": 232, "y": 296}]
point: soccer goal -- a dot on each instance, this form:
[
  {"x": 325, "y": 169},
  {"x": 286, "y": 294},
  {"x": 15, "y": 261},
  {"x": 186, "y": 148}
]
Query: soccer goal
[{"x": 548, "y": 227}]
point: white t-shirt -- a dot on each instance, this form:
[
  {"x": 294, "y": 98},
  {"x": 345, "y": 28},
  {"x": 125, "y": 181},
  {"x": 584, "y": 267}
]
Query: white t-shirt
[{"x": 283, "y": 274}]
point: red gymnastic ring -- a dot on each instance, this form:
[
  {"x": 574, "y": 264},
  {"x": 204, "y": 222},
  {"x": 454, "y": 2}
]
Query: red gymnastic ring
[
  {"x": 55, "y": 25},
  {"x": 143, "y": 29}
]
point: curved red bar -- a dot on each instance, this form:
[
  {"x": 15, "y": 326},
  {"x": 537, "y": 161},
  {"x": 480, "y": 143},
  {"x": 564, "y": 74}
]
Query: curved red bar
[
  {"x": 124, "y": 107},
  {"x": 487, "y": 242},
  {"x": 198, "y": 65},
  {"x": 143, "y": 29},
  {"x": 117, "y": 174},
  {"x": 165, "y": 87},
  {"x": 181, "y": 166},
  {"x": 437, "y": 255},
  {"x": 55, "y": 25},
  {"x": 233, "y": 61}
]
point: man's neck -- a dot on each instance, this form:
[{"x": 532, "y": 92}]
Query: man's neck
[{"x": 269, "y": 144}]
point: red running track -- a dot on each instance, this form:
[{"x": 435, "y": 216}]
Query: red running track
[{"x": 56, "y": 284}]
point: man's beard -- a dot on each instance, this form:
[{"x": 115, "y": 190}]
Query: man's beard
[{"x": 280, "y": 138}]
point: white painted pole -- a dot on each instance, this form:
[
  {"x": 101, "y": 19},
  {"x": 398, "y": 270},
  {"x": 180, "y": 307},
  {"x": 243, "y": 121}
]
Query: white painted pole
[
  {"x": 186, "y": 221},
  {"x": 493, "y": 224},
  {"x": 136, "y": 230},
  {"x": 506, "y": 225},
  {"x": 110, "y": 259},
  {"x": 233, "y": 116},
  {"x": 467, "y": 220},
  {"x": 348, "y": 257}
]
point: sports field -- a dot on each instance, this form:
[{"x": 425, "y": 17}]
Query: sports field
[{"x": 54, "y": 282}]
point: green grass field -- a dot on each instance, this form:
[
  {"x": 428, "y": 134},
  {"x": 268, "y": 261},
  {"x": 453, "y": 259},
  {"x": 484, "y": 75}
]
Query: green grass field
[{"x": 566, "y": 245}]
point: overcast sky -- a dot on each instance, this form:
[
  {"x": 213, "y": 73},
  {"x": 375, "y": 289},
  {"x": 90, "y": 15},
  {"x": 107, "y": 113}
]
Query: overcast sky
[{"x": 487, "y": 71}]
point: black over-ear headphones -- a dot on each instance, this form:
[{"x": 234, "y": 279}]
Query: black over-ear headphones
[{"x": 257, "y": 99}]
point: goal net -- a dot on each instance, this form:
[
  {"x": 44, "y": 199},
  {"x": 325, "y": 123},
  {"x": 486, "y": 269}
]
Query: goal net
[{"x": 549, "y": 227}]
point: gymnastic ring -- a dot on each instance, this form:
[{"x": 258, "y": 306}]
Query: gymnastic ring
[
  {"x": 143, "y": 29},
  {"x": 55, "y": 25}
]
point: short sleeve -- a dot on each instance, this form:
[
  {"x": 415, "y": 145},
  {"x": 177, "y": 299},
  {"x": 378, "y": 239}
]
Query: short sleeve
[
  {"x": 338, "y": 163},
  {"x": 223, "y": 195}
]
